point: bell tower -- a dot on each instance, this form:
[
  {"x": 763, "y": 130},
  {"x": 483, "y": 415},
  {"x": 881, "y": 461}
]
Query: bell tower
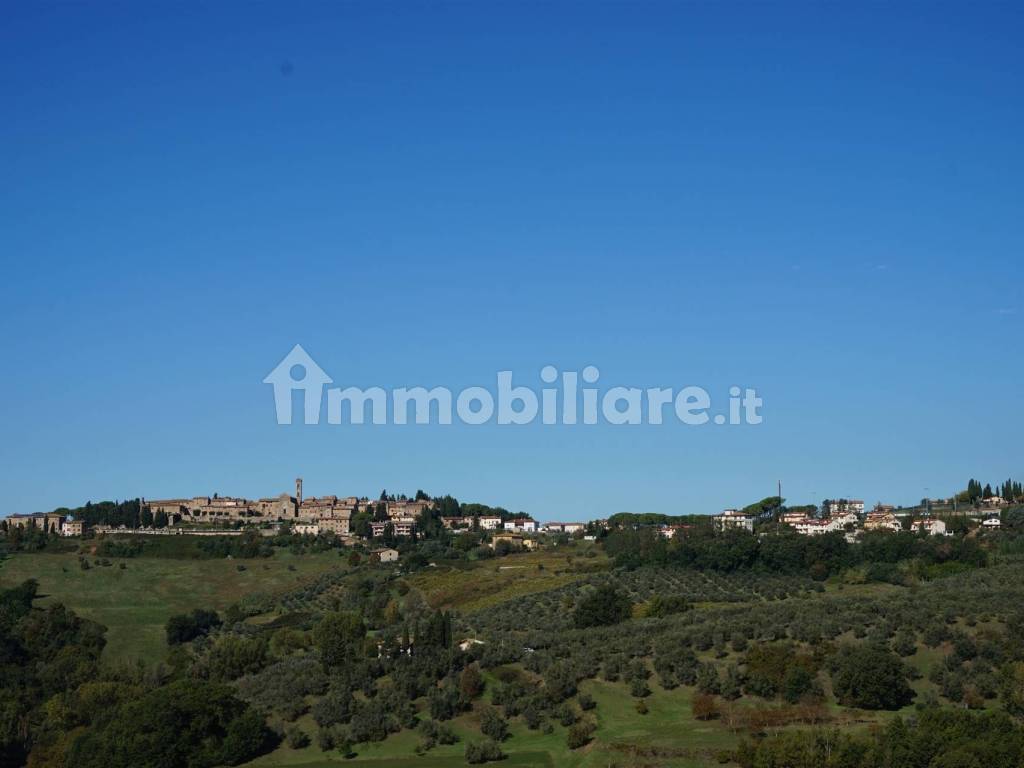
[{"x": 298, "y": 491}]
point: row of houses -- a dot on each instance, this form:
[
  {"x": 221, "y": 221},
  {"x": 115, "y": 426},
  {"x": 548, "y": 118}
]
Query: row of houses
[
  {"x": 842, "y": 516},
  {"x": 324, "y": 515},
  {"x": 521, "y": 525}
]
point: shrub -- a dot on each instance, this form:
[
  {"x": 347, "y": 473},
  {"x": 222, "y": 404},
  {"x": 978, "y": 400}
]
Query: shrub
[
  {"x": 579, "y": 735},
  {"x": 493, "y": 725},
  {"x": 484, "y": 752},
  {"x": 186, "y": 627},
  {"x": 704, "y": 707},
  {"x": 335, "y": 737},
  {"x": 566, "y": 715},
  {"x": 296, "y": 737},
  {"x": 471, "y": 683},
  {"x": 660, "y": 606},
  {"x": 905, "y": 644},
  {"x": 638, "y": 688}
]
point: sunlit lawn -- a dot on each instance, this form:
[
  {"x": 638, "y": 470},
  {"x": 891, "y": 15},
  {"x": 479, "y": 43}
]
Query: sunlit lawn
[{"x": 135, "y": 603}]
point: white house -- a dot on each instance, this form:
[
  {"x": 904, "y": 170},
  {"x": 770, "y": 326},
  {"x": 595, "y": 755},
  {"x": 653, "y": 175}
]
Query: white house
[
  {"x": 732, "y": 518},
  {"x": 843, "y": 520},
  {"x": 833, "y": 507},
  {"x": 810, "y": 527},
  {"x": 521, "y": 525},
  {"x": 882, "y": 521},
  {"x": 490, "y": 522},
  {"x": 671, "y": 531},
  {"x": 304, "y": 529},
  {"x": 991, "y": 524},
  {"x": 931, "y": 526},
  {"x": 564, "y": 527}
]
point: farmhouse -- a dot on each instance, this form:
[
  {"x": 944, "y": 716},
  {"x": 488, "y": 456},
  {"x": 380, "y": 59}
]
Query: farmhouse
[
  {"x": 515, "y": 540},
  {"x": 386, "y": 555},
  {"x": 490, "y": 522}
]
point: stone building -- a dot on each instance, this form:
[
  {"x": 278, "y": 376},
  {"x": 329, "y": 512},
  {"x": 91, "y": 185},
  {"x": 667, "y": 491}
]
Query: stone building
[
  {"x": 72, "y": 528},
  {"x": 406, "y": 508},
  {"x": 44, "y": 521}
]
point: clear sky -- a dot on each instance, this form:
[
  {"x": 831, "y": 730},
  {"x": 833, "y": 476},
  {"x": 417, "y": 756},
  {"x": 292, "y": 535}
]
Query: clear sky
[{"x": 822, "y": 202}]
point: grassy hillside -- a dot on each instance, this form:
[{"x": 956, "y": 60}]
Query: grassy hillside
[
  {"x": 525, "y": 602},
  {"x": 135, "y": 602},
  {"x": 668, "y": 735},
  {"x": 470, "y": 587}
]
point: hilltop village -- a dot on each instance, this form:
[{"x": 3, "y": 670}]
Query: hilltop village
[
  {"x": 378, "y": 630},
  {"x": 399, "y": 516}
]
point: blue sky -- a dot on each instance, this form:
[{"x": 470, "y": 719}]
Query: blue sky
[{"x": 822, "y": 202}]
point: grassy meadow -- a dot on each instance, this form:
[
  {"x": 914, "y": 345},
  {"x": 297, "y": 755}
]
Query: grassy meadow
[
  {"x": 135, "y": 602},
  {"x": 469, "y": 587}
]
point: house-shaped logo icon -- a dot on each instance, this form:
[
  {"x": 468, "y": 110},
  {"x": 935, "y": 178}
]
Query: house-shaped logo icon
[{"x": 298, "y": 371}]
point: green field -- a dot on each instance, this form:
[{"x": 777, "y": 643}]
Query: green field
[
  {"x": 134, "y": 603},
  {"x": 471, "y": 586}
]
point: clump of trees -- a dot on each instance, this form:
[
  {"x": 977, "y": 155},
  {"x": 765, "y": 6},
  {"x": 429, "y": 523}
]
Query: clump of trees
[
  {"x": 661, "y": 606},
  {"x": 935, "y": 737},
  {"x": 602, "y": 607},
  {"x": 785, "y": 551},
  {"x": 62, "y": 707},
  {"x": 186, "y": 627},
  {"x": 870, "y": 676},
  {"x": 187, "y": 722}
]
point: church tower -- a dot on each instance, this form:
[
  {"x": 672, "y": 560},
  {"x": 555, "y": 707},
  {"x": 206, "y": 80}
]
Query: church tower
[{"x": 298, "y": 491}]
